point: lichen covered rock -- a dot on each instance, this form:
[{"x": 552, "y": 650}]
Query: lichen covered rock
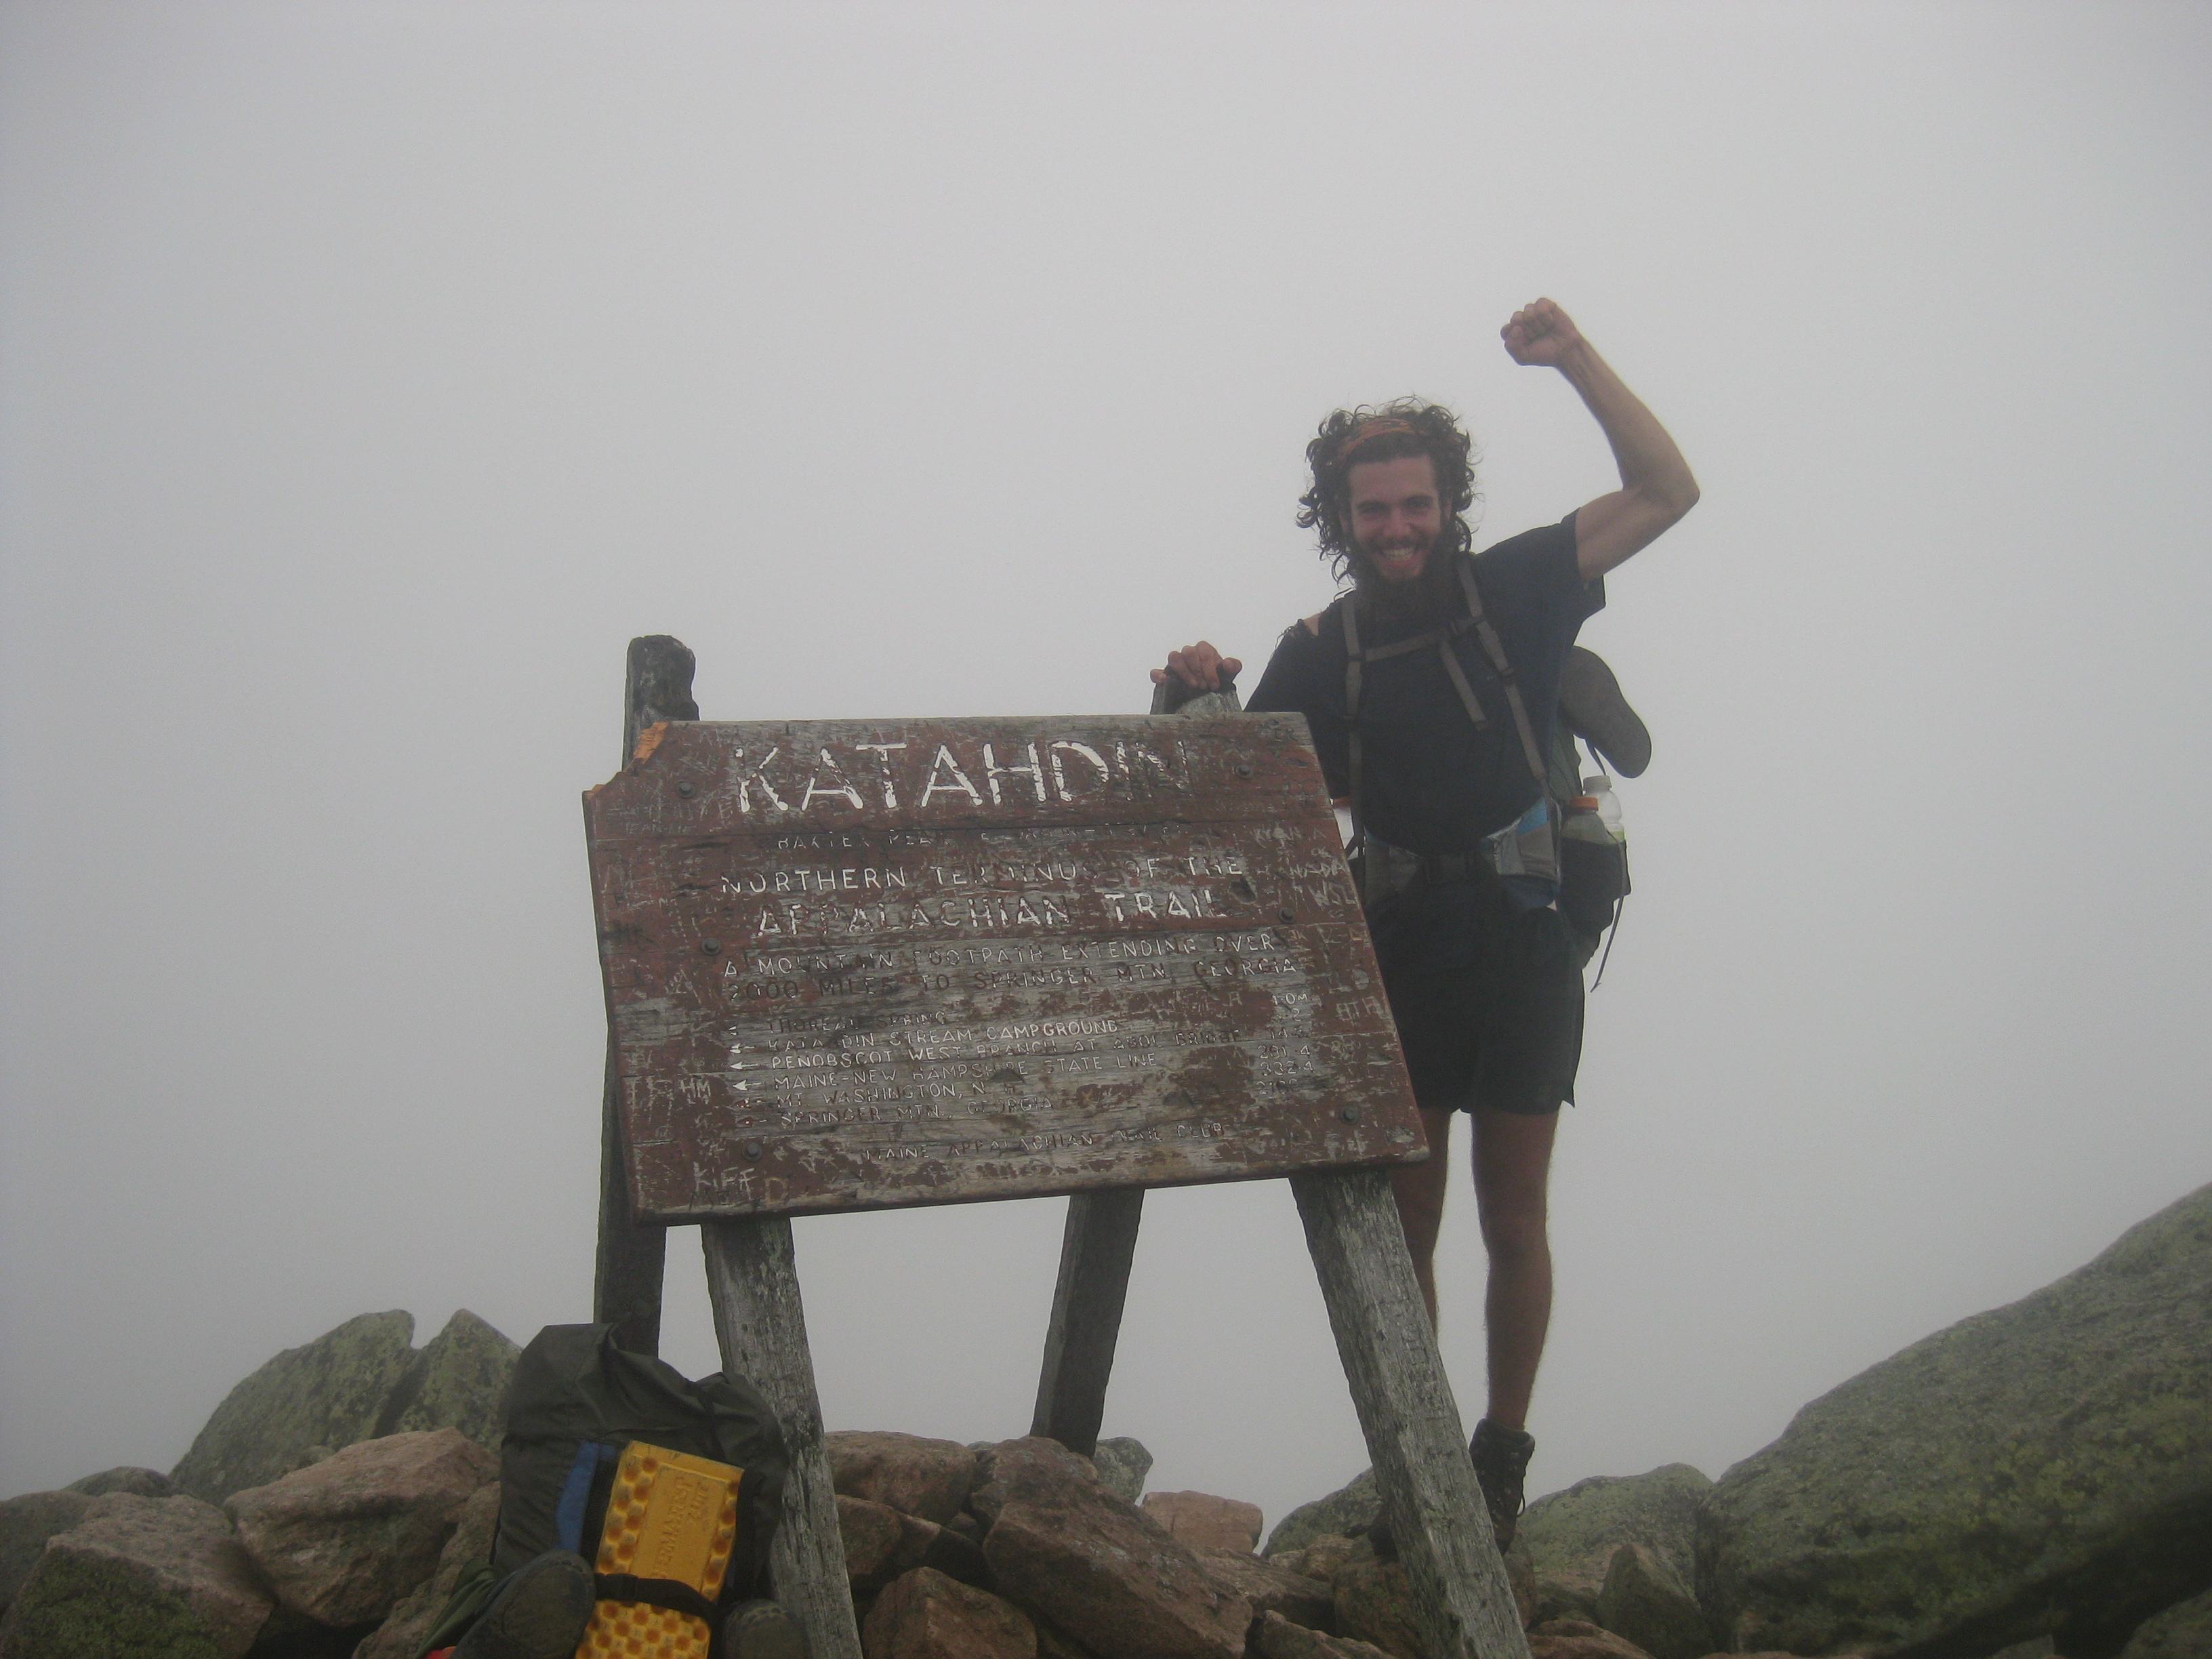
[
  {"x": 323, "y": 1394},
  {"x": 152, "y": 1577},
  {"x": 1569, "y": 1538},
  {"x": 2043, "y": 1468}
]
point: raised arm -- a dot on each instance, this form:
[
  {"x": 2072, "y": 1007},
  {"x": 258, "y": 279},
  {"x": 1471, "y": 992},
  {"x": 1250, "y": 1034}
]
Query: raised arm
[{"x": 1656, "y": 485}]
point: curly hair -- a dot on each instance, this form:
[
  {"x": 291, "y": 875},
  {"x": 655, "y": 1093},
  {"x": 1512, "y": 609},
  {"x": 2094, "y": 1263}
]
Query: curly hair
[{"x": 1405, "y": 427}]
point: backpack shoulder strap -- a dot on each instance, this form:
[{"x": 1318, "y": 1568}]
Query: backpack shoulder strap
[
  {"x": 1354, "y": 662},
  {"x": 1494, "y": 649}
]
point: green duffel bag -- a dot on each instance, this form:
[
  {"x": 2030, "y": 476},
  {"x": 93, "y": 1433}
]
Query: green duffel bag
[{"x": 574, "y": 1402}]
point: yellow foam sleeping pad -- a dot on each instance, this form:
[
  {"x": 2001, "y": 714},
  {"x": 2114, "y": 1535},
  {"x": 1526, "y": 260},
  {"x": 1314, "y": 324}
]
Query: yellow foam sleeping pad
[{"x": 670, "y": 1516}]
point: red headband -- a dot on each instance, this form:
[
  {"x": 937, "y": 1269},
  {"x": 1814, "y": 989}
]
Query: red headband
[{"x": 1382, "y": 427}]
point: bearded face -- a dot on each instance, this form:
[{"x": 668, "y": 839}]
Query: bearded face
[{"x": 1395, "y": 519}]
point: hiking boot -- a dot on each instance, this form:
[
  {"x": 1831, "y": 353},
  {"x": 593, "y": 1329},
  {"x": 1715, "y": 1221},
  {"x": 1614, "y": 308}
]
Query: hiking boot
[
  {"x": 1590, "y": 698},
  {"x": 540, "y": 1613},
  {"x": 1501, "y": 1462}
]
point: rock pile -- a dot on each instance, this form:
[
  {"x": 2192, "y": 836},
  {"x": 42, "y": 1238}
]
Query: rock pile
[
  {"x": 2034, "y": 1483},
  {"x": 309, "y": 1565},
  {"x": 360, "y": 1382}
]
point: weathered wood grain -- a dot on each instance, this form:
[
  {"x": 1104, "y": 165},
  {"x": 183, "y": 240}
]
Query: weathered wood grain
[
  {"x": 631, "y": 1263},
  {"x": 1407, "y": 1411},
  {"x": 1095, "y": 1250},
  {"x": 858, "y": 965},
  {"x": 752, "y": 1280}
]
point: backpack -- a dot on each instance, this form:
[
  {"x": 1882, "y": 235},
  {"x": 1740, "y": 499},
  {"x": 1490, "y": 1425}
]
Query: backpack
[
  {"x": 1589, "y": 867},
  {"x": 574, "y": 1402}
]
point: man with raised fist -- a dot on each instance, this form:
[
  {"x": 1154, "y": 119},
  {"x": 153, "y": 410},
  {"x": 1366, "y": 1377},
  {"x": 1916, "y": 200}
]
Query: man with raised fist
[{"x": 1431, "y": 687}]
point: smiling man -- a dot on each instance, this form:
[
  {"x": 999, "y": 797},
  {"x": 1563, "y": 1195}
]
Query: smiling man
[{"x": 1432, "y": 689}]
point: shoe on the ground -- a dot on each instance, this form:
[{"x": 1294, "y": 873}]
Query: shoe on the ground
[
  {"x": 1591, "y": 698},
  {"x": 1501, "y": 1465},
  {"x": 539, "y": 1614}
]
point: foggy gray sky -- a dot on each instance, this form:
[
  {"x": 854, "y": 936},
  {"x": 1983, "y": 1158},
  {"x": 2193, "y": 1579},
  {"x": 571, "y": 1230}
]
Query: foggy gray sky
[{"x": 374, "y": 372}]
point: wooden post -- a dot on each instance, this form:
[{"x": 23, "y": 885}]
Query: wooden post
[
  {"x": 753, "y": 1282},
  {"x": 1427, "y": 1483},
  {"x": 632, "y": 1260},
  {"x": 1095, "y": 1253}
]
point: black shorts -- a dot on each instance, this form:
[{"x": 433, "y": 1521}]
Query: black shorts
[{"x": 1506, "y": 1030}]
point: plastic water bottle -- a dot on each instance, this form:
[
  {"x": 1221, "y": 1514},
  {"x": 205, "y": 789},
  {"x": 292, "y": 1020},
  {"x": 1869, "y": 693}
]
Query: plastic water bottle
[{"x": 1606, "y": 805}]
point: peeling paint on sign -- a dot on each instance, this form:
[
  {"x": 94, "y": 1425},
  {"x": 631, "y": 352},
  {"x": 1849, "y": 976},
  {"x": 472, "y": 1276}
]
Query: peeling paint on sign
[{"x": 865, "y": 965}]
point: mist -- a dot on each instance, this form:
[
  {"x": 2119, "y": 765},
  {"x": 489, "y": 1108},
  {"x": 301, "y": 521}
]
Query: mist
[{"x": 374, "y": 372}]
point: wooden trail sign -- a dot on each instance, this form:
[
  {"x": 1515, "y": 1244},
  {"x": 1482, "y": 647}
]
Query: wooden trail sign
[
  {"x": 855, "y": 965},
  {"x": 861, "y": 965}
]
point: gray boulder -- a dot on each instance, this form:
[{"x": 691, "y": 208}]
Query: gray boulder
[
  {"x": 331, "y": 1393},
  {"x": 2181, "y": 1631},
  {"x": 1569, "y": 1538},
  {"x": 415, "y": 1614},
  {"x": 26, "y": 1523},
  {"x": 140, "y": 1483},
  {"x": 1374, "y": 1603},
  {"x": 1646, "y": 1600},
  {"x": 2043, "y": 1468},
  {"x": 926, "y": 1615},
  {"x": 1063, "y": 1547},
  {"x": 910, "y": 1473},
  {"x": 1270, "y": 1588},
  {"x": 1274, "y": 1637},
  {"x": 343, "y": 1541},
  {"x": 152, "y": 1577},
  {"x": 458, "y": 1381},
  {"x": 1344, "y": 1513},
  {"x": 1122, "y": 1465}
]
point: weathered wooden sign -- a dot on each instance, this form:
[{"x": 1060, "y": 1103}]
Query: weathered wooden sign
[{"x": 863, "y": 964}]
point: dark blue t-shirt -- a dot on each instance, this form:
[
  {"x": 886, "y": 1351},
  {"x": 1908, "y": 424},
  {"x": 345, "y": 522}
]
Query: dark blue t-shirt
[{"x": 1430, "y": 781}]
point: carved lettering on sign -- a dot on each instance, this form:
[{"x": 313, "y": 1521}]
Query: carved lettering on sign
[{"x": 855, "y": 965}]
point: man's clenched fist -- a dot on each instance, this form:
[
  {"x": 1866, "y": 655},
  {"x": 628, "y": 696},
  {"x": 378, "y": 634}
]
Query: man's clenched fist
[{"x": 1541, "y": 335}]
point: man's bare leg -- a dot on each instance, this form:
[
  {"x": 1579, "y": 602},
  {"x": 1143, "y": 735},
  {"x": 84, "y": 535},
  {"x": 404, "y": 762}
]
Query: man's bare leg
[
  {"x": 1421, "y": 1190},
  {"x": 1512, "y": 1168}
]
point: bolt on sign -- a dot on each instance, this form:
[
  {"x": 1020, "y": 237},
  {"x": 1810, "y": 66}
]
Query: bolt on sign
[{"x": 857, "y": 965}]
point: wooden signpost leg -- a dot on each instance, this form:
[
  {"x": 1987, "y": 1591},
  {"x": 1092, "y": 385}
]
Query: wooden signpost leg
[
  {"x": 1405, "y": 1409},
  {"x": 632, "y": 1261},
  {"x": 753, "y": 1283},
  {"x": 1095, "y": 1253}
]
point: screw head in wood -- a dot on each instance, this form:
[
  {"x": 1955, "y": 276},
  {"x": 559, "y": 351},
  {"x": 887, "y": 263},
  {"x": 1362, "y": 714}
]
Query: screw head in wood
[
  {"x": 683, "y": 789},
  {"x": 754, "y": 1149},
  {"x": 1244, "y": 768},
  {"x": 1349, "y": 1114},
  {"x": 1288, "y": 915},
  {"x": 711, "y": 946}
]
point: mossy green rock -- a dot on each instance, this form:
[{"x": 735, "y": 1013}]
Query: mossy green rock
[
  {"x": 458, "y": 1381},
  {"x": 1568, "y": 1539},
  {"x": 26, "y": 1523},
  {"x": 2043, "y": 1468},
  {"x": 85, "y": 1610},
  {"x": 1345, "y": 1511},
  {"x": 316, "y": 1398},
  {"x": 150, "y": 1577},
  {"x": 2180, "y": 1632}
]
